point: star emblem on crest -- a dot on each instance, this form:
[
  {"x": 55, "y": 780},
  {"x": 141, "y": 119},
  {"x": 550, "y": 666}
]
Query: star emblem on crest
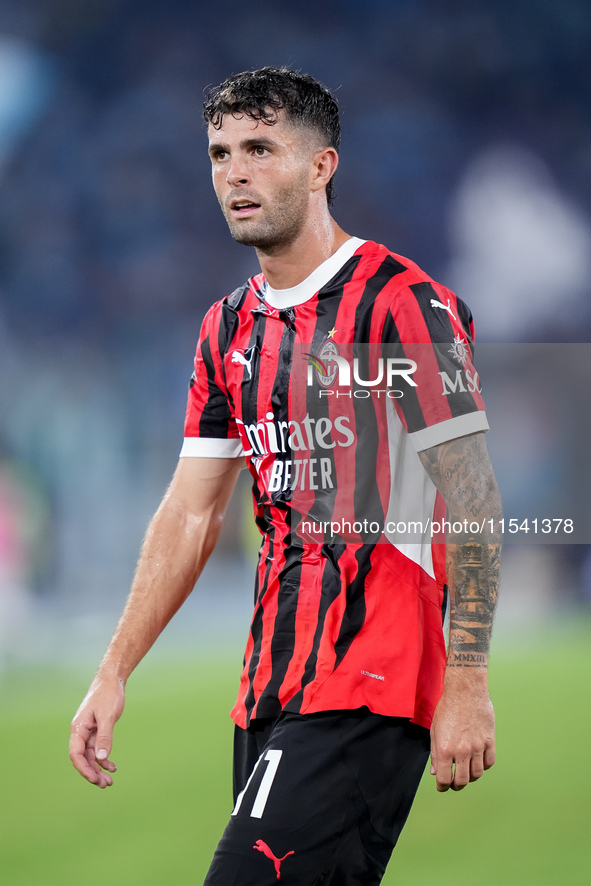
[
  {"x": 459, "y": 349},
  {"x": 332, "y": 332}
]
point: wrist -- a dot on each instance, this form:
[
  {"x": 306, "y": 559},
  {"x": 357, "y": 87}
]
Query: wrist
[
  {"x": 466, "y": 675},
  {"x": 110, "y": 672},
  {"x": 458, "y": 658}
]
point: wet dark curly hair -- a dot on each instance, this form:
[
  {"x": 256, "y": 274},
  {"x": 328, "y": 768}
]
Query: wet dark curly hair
[{"x": 262, "y": 94}]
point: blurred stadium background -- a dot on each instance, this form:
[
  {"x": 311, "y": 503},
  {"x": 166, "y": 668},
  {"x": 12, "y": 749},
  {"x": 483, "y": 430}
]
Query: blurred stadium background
[{"x": 467, "y": 146}]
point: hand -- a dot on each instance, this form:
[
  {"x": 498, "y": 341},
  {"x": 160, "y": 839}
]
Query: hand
[
  {"x": 462, "y": 733},
  {"x": 91, "y": 734}
]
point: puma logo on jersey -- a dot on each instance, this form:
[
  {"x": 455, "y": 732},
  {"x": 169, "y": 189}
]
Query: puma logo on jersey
[
  {"x": 447, "y": 307},
  {"x": 262, "y": 847},
  {"x": 237, "y": 357}
]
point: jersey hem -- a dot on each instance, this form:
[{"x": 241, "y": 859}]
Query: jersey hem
[
  {"x": 211, "y": 447},
  {"x": 459, "y": 426}
]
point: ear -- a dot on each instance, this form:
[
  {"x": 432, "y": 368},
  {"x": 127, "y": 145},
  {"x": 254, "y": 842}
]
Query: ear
[{"x": 324, "y": 165}]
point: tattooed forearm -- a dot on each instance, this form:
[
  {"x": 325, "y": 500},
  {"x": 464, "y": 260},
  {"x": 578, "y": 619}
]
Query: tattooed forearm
[
  {"x": 469, "y": 659},
  {"x": 462, "y": 472},
  {"x": 473, "y": 583}
]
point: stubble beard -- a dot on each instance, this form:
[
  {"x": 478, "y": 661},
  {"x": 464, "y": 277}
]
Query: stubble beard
[{"x": 281, "y": 225}]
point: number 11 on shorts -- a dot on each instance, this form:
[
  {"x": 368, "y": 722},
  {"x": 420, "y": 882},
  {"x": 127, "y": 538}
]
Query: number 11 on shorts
[{"x": 272, "y": 758}]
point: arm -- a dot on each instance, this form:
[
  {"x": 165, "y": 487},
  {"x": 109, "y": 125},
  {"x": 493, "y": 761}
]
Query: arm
[
  {"x": 179, "y": 540},
  {"x": 462, "y": 734}
]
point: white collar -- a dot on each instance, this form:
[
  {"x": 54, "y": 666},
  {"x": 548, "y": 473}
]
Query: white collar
[{"x": 297, "y": 295}]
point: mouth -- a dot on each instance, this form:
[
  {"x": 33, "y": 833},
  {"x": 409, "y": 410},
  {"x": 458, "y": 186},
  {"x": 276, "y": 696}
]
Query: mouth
[{"x": 244, "y": 208}]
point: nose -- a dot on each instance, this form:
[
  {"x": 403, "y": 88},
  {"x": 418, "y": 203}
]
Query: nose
[{"x": 237, "y": 171}]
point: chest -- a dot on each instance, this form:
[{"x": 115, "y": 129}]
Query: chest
[{"x": 269, "y": 364}]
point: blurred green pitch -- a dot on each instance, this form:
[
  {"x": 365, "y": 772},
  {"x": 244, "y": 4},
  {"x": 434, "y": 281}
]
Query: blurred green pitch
[{"x": 526, "y": 822}]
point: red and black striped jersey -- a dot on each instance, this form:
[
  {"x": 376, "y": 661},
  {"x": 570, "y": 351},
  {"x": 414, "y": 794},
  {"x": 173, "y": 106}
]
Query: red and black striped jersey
[{"x": 330, "y": 390}]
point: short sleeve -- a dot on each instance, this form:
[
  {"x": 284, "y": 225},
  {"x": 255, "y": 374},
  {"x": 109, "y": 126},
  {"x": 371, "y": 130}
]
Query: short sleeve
[
  {"x": 210, "y": 427},
  {"x": 434, "y": 330}
]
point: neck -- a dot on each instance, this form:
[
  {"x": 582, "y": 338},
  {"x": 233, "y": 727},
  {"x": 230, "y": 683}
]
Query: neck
[{"x": 287, "y": 265}]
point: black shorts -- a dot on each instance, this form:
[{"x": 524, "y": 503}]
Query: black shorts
[{"x": 319, "y": 799}]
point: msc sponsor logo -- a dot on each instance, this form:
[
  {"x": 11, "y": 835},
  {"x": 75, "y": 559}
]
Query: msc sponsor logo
[
  {"x": 460, "y": 350},
  {"x": 464, "y": 381}
]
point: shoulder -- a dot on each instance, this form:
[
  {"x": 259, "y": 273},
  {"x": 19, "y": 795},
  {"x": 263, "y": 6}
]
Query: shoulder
[
  {"x": 413, "y": 283},
  {"x": 387, "y": 272},
  {"x": 414, "y": 305},
  {"x": 243, "y": 298},
  {"x": 226, "y": 315},
  {"x": 407, "y": 272},
  {"x": 246, "y": 296}
]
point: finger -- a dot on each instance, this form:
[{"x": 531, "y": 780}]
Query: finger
[
  {"x": 100, "y": 779},
  {"x": 461, "y": 774},
  {"x": 88, "y": 769},
  {"x": 489, "y": 757},
  {"x": 82, "y": 765},
  {"x": 476, "y": 767},
  {"x": 444, "y": 773},
  {"x": 442, "y": 767},
  {"x": 79, "y": 737}
]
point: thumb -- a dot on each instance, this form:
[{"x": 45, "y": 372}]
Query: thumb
[
  {"x": 433, "y": 768},
  {"x": 104, "y": 741}
]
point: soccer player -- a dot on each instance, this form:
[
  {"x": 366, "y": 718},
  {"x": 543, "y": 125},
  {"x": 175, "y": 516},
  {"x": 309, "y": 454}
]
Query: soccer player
[{"x": 345, "y": 668}]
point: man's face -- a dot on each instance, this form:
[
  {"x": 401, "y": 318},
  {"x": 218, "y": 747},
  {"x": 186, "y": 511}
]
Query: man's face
[{"x": 261, "y": 176}]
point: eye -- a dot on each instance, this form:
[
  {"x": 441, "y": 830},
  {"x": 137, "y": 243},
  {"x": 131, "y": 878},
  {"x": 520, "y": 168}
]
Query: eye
[
  {"x": 260, "y": 151},
  {"x": 219, "y": 156}
]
